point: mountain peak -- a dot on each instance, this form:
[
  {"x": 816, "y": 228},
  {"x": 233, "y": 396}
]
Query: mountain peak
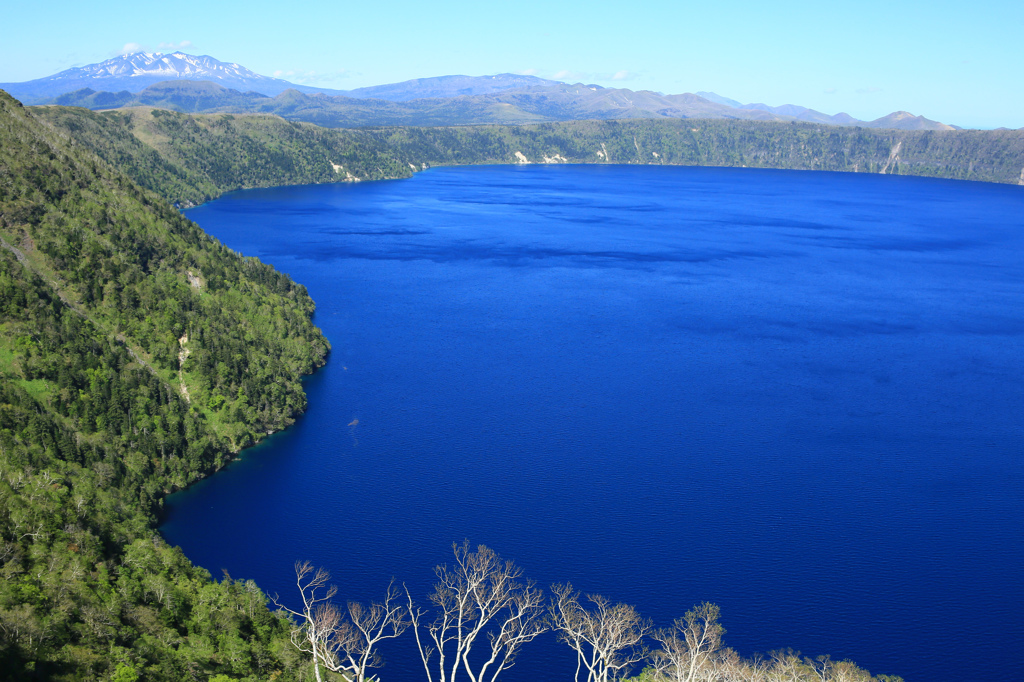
[
  {"x": 904, "y": 120},
  {"x": 136, "y": 71},
  {"x": 170, "y": 65}
]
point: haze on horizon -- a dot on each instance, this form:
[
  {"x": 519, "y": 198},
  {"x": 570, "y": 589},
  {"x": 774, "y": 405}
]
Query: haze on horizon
[{"x": 941, "y": 59}]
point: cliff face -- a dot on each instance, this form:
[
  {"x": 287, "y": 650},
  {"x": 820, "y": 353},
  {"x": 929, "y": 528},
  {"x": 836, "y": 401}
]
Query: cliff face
[{"x": 189, "y": 159}]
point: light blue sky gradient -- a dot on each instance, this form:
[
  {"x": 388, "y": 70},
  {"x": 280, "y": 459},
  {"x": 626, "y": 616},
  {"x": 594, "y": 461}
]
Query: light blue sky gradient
[{"x": 954, "y": 62}]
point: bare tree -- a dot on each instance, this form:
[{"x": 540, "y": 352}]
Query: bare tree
[
  {"x": 606, "y": 638},
  {"x": 827, "y": 670},
  {"x": 689, "y": 649},
  {"x": 342, "y": 641},
  {"x": 365, "y": 627},
  {"x": 731, "y": 667},
  {"x": 785, "y": 666},
  {"x": 479, "y": 595},
  {"x": 318, "y": 619}
]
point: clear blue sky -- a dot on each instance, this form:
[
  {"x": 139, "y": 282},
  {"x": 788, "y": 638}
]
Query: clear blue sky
[{"x": 954, "y": 62}]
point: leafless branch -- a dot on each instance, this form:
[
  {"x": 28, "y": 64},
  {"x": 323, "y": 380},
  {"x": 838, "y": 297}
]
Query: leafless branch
[
  {"x": 480, "y": 595},
  {"x": 342, "y": 641},
  {"x": 689, "y": 648},
  {"x": 606, "y": 637}
]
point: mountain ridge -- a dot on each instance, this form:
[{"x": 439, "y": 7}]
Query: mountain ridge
[
  {"x": 559, "y": 102},
  {"x": 436, "y": 87},
  {"x": 192, "y": 158},
  {"x": 499, "y": 98}
]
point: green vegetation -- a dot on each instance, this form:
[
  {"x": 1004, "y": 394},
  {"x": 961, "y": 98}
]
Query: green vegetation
[
  {"x": 189, "y": 159},
  {"x": 136, "y": 355}
]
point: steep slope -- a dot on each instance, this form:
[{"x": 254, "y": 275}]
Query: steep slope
[
  {"x": 191, "y": 158},
  {"x": 136, "y": 355},
  {"x": 990, "y": 156}
]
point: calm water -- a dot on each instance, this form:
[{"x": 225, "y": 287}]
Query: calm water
[{"x": 797, "y": 395}]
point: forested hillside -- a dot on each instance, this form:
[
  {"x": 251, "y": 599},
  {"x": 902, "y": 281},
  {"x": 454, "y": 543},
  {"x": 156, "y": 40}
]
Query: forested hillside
[
  {"x": 136, "y": 355},
  {"x": 191, "y": 158}
]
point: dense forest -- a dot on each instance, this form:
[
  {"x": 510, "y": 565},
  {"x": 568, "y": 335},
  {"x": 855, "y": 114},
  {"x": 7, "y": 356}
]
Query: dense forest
[
  {"x": 137, "y": 355},
  {"x": 189, "y": 159}
]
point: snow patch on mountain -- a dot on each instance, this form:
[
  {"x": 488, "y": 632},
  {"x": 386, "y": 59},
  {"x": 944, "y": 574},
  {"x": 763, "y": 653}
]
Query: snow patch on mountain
[
  {"x": 176, "y": 65},
  {"x": 136, "y": 71}
]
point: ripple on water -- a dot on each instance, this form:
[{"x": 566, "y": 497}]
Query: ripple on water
[{"x": 794, "y": 394}]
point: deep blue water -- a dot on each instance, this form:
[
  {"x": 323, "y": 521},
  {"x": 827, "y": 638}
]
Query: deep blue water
[{"x": 797, "y": 395}]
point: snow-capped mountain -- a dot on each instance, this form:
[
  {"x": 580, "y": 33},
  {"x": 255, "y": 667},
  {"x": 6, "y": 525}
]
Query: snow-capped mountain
[
  {"x": 174, "y": 66},
  {"x": 135, "y": 72},
  {"x": 117, "y": 81}
]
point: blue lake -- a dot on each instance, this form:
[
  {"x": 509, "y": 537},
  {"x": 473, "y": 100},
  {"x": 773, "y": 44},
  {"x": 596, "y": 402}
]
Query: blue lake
[{"x": 797, "y": 395}]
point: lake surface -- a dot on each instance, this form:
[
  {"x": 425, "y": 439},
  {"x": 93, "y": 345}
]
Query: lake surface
[{"x": 797, "y": 395}]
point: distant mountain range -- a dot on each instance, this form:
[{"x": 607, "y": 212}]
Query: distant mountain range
[
  {"x": 135, "y": 72},
  {"x": 198, "y": 84},
  {"x": 443, "y": 87},
  {"x": 791, "y": 111}
]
